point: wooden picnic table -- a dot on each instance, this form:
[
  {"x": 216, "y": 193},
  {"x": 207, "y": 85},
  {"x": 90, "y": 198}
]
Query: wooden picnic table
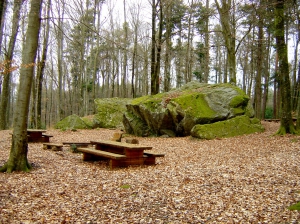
[
  {"x": 37, "y": 135},
  {"x": 119, "y": 153}
]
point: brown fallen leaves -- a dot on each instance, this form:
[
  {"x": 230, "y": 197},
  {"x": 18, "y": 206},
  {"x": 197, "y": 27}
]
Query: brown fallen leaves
[{"x": 246, "y": 179}]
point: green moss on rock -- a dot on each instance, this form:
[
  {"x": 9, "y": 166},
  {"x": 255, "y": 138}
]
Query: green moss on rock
[
  {"x": 233, "y": 127},
  {"x": 110, "y": 112},
  {"x": 72, "y": 122},
  {"x": 195, "y": 105},
  {"x": 239, "y": 101},
  {"x": 181, "y": 109}
]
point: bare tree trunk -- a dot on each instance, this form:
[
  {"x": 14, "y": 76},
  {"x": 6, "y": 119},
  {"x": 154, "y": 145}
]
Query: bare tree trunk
[
  {"x": 3, "y": 5},
  {"x": 124, "y": 79},
  {"x": 296, "y": 82},
  {"x": 276, "y": 90},
  {"x": 98, "y": 13},
  {"x": 159, "y": 47},
  {"x": 59, "y": 29},
  {"x": 18, "y": 154},
  {"x": 258, "y": 91},
  {"x": 179, "y": 78},
  {"x": 168, "y": 37},
  {"x": 286, "y": 122},
  {"x": 266, "y": 76},
  {"x": 187, "y": 73},
  {"x": 40, "y": 71},
  {"x": 5, "y": 96},
  {"x": 153, "y": 50},
  {"x": 133, "y": 92},
  {"x": 207, "y": 47},
  {"x": 228, "y": 31}
]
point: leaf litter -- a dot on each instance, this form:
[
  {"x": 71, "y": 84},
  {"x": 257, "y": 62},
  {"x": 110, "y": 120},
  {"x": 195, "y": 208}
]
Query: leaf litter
[{"x": 245, "y": 179}]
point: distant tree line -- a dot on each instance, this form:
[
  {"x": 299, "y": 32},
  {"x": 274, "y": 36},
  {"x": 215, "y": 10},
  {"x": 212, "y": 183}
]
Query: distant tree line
[
  {"x": 58, "y": 56},
  {"x": 104, "y": 48}
]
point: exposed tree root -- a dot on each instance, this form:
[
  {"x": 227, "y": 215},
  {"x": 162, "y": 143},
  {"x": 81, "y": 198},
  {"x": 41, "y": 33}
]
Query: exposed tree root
[
  {"x": 10, "y": 167},
  {"x": 290, "y": 130}
]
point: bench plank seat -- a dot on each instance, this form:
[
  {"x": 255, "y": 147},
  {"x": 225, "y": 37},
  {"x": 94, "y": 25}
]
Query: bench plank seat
[
  {"x": 77, "y": 144},
  {"x": 101, "y": 153},
  {"x": 115, "y": 160},
  {"x": 154, "y": 154},
  {"x": 46, "y": 135},
  {"x": 151, "y": 157},
  {"x": 39, "y": 139},
  {"x": 53, "y": 146},
  {"x": 121, "y": 145}
]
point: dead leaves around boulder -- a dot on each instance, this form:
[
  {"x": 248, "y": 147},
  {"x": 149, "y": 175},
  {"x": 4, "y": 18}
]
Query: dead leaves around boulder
[{"x": 244, "y": 179}]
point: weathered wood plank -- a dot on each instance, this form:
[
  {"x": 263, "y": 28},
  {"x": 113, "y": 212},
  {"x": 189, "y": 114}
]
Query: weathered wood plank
[
  {"x": 121, "y": 145},
  {"x": 53, "y": 146},
  {"x": 101, "y": 153},
  {"x": 153, "y": 154}
]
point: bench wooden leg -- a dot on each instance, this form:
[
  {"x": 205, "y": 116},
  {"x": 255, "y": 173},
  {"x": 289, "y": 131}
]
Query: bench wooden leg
[
  {"x": 56, "y": 148},
  {"x": 116, "y": 163},
  {"x": 87, "y": 157},
  {"x": 150, "y": 160}
]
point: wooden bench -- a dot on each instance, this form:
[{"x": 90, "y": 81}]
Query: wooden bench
[
  {"x": 151, "y": 156},
  {"x": 43, "y": 138},
  {"x": 120, "y": 153},
  {"x": 92, "y": 154},
  {"x": 38, "y": 135},
  {"x": 53, "y": 146},
  {"x": 77, "y": 144}
]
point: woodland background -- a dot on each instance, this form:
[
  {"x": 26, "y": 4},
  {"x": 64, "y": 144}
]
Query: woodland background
[{"x": 105, "y": 48}]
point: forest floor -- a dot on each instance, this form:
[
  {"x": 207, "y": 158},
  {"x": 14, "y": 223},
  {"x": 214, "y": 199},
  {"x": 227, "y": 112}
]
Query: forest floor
[{"x": 244, "y": 179}]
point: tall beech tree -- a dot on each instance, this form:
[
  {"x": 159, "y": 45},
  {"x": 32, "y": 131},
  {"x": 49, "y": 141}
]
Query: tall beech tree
[
  {"x": 17, "y": 160},
  {"x": 286, "y": 122},
  {"x": 156, "y": 42},
  {"x": 5, "y": 95},
  {"x": 2, "y": 12},
  {"x": 228, "y": 22},
  {"x": 41, "y": 68}
]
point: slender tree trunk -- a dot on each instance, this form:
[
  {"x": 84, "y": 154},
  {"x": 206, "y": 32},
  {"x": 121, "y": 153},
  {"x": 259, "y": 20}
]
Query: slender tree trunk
[
  {"x": 159, "y": 47},
  {"x": 266, "y": 76},
  {"x": 187, "y": 74},
  {"x": 286, "y": 122},
  {"x": 18, "y": 154},
  {"x": 296, "y": 82},
  {"x": 133, "y": 92},
  {"x": 153, "y": 50},
  {"x": 3, "y": 4},
  {"x": 228, "y": 31},
  {"x": 124, "y": 79},
  {"x": 98, "y": 13},
  {"x": 5, "y": 96},
  {"x": 167, "y": 75},
  {"x": 225, "y": 78},
  {"x": 59, "y": 29},
  {"x": 207, "y": 47},
  {"x": 276, "y": 90},
  {"x": 1, "y": 9},
  {"x": 258, "y": 90},
  {"x": 40, "y": 71},
  {"x": 298, "y": 106},
  {"x": 179, "y": 63}
]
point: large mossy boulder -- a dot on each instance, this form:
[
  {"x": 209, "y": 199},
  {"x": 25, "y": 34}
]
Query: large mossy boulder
[
  {"x": 110, "y": 112},
  {"x": 178, "y": 111},
  {"x": 73, "y": 122},
  {"x": 233, "y": 127}
]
